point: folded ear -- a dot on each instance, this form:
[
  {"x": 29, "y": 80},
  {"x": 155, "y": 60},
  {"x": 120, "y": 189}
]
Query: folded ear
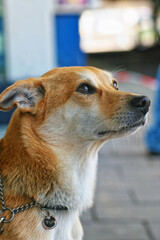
[{"x": 25, "y": 94}]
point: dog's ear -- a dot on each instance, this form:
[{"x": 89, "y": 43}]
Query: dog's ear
[{"x": 25, "y": 94}]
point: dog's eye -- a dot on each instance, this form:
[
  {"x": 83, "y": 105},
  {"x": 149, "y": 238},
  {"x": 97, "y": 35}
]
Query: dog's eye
[
  {"x": 115, "y": 84},
  {"x": 85, "y": 88}
]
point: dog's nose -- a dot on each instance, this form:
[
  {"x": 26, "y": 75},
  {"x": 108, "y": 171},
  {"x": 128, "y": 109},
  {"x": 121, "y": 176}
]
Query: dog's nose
[{"x": 141, "y": 102}]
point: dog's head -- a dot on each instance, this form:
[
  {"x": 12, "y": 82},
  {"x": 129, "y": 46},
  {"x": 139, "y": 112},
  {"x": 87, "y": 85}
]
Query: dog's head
[{"x": 76, "y": 104}]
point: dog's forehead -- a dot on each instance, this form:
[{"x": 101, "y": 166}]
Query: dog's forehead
[
  {"x": 71, "y": 76},
  {"x": 96, "y": 77}
]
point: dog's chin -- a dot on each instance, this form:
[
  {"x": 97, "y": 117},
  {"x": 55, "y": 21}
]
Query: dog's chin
[{"x": 124, "y": 130}]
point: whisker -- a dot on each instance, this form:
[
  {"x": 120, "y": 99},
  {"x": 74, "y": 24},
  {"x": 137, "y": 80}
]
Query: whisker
[{"x": 117, "y": 70}]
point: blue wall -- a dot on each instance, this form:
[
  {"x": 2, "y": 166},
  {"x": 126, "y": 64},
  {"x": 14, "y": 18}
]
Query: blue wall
[{"x": 68, "y": 41}]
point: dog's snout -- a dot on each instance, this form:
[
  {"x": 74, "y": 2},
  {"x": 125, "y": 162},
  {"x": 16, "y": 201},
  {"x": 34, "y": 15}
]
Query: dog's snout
[{"x": 141, "y": 102}]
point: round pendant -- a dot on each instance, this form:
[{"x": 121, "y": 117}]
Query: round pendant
[{"x": 49, "y": 222}]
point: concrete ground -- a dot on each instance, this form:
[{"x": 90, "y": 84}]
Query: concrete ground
[{"x": 127, "y": 198}]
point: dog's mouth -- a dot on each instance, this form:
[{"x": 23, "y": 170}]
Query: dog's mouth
[{"x": 124, "y": 129}]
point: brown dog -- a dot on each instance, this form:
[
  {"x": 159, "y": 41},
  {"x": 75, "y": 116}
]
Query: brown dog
[{"x": 48, "y": 156}]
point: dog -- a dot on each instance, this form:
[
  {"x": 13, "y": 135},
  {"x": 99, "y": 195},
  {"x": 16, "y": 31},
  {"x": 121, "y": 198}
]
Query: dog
[{"x": 48, "y": 157}]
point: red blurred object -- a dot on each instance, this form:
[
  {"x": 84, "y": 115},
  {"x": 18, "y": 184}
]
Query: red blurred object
[{"x": 134, "y": 77}]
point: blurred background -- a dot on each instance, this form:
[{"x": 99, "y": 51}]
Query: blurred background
[
  {"x": 38, "y": 35},
  {"x": 124, "y": 38}
]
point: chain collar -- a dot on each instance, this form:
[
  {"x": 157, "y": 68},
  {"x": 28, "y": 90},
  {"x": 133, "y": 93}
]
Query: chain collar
[{"x": 49, "y": 221}]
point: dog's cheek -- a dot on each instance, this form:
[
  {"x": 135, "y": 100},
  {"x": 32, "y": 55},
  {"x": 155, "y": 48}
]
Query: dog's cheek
[{"x": 87, "y": 122}]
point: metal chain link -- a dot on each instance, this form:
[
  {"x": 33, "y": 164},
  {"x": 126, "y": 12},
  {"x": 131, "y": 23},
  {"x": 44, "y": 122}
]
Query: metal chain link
[
  {"x": 25, "y": 207},
  {"x": 1, "y": 194}
]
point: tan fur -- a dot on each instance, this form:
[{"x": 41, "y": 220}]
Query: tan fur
[{"x": 42, "y": 143}]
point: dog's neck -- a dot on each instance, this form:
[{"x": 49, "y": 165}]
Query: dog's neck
[
  {"x": 58, "y": 173},
  {"x": 78, "y": 175}
]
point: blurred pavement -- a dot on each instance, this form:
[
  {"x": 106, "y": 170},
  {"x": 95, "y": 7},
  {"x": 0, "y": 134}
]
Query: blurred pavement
[{"x": 127, "y": 199}]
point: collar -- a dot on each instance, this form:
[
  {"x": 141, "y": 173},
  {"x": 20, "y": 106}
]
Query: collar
[
  {"x": 56, "y": 208},
  {"x": 49, "y": 221}
]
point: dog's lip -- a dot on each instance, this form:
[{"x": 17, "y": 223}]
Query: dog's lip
[{"x": 123, "y": 129}]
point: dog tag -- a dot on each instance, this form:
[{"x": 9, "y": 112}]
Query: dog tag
[{"x": 49, "y": 222}]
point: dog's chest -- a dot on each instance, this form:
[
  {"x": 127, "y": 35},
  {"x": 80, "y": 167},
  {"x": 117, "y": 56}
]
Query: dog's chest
[{"x": 63, "y": 230}]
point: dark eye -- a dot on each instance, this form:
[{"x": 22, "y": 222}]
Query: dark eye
[
  {"x": 85, "y": 88},
  {"x": 115, "y": 84}
]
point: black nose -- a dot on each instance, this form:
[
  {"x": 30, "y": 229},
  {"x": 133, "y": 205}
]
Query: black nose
[{"x": 141, "y": 102}]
